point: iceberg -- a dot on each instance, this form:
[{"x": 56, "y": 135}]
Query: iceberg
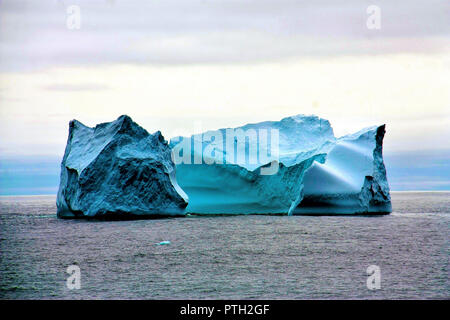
[
  {"x": 292, "y": 166},
  {"x": 117, "y": 170}
]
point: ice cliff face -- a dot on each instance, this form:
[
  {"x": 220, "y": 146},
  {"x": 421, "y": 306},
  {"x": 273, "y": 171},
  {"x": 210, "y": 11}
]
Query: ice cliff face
[
  {"x": 257, "y": 168},
  {"x": 117, "y": 169},
  {"x": 292, "y": 166},
  {"x": 351, "y": 180}
]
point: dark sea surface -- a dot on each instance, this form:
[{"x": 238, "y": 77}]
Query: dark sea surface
[{"x": 234, "y": 257}]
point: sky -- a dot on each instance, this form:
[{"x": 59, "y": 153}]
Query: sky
[{"x": 184, "y": 66}]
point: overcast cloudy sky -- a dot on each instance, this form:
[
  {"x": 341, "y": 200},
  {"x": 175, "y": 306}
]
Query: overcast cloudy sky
[{"x": 181, "y": 66}]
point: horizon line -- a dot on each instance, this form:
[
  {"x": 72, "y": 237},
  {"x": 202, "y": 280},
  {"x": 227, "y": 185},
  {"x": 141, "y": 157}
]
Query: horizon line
[{"x": 54, "y": 194}]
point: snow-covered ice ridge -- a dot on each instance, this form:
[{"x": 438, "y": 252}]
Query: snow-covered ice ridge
[
  {"x": 222, "y": 171},
  {"x": 117, "y": 169}
]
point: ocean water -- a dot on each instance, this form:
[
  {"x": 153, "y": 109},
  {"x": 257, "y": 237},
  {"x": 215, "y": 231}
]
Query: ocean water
[{"x": 241, "y": 257}]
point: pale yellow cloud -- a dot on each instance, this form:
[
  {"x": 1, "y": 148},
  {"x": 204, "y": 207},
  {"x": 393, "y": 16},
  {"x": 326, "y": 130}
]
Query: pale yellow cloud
[{"x": 408, "y": 92}]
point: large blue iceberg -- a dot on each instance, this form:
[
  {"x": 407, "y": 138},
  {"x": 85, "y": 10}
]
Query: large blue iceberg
[
  {"x": 292, "y": 166},
  {"x": 119, "y": 170}
]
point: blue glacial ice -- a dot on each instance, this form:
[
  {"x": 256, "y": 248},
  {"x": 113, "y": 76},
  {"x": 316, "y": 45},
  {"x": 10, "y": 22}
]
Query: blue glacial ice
[
  {"x": 292, "y": 166},
  {"x": 351, "y": 180},
  {"x": 117, "y": 169}
]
